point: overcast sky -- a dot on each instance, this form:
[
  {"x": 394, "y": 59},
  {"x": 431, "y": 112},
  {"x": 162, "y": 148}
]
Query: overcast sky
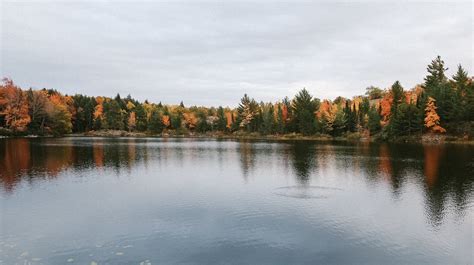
[{"x": 211, "y": 53}]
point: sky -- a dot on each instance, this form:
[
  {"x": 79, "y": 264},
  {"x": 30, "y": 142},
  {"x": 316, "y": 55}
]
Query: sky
[{"x": 211, "y": 53}]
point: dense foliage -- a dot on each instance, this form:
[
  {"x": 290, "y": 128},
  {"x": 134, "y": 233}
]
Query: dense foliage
[{"x": 431, "y": 107}]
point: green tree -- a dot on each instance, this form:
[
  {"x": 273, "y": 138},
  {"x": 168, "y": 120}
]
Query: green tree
[
  {"x": 351, "y": 117},
  {"x": 155, "y": 124},
  {"x": 437, "y": 87},
  {"x": 304, "y": 108},
  {"x": 339, "y": 124},
  {"x": 280, "y": 121},
  {"x": 436, "y": 74},
  {"x": 374, "y": 92},
  {"x": 268, "y": 123},
  {"x": 460, "y": 83},
  {"x": 221, "y": 119},
  {"x": 374, "y": 121},
  {"x": 407, "y": 121},
  {"x": 114, "y": 115}
]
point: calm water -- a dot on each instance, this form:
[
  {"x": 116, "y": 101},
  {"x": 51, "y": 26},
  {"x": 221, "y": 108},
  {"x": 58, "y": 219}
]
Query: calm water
[{"x": 154, "y": 201}]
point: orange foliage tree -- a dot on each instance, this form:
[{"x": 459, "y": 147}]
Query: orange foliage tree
[
  {"x": 229, "y": 119},
  {"x": 190, "y": 120},
  {"x": 166, "y": 121},
  {"x": 432, "y": 118},
  {"x": 132, "y": 121},
  {"x": 14, "y": 106}
]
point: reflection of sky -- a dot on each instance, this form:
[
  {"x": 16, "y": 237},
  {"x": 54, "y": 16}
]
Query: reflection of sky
[{"x": 192, "y": 200}]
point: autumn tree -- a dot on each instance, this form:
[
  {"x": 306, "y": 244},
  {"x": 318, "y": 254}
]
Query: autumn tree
[
  {"x": 432, "y": 119},
  {"x": 99, "y": 113},
  {"x": 14, "y": 106},
  {"x": 59, "y": 116},
  {"x": 374, "y": 92},
  {"x": 247, "y": 112},
  {"x": 132, "y": 121},
  {"x": 38, "y": 101}
]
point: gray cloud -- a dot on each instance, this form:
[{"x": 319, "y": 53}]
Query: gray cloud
[{"x": 212, "y": 53}]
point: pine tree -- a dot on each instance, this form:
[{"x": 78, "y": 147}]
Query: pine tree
[
  {"x": 437, "y": 87},
  {"x": 114, "y": 115},
  {"x": 407, "y": 121},
  {"x": 461, "y": 85},
  {"x": 374, "y": 121},
  {"x": 155, "y": 125},
  {"x": 339, "y": 124},
  {"x": 280, "y": 120},
  {"x": 304, "y": 108},
  {"x": 247, "y": 110},
  {"x": 436, "y": 74},
  {"x": 221, "y": 119},
  {"x": 351, "y": 118}
]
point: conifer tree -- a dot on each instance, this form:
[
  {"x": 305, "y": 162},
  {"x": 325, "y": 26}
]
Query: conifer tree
[{"x": 304, "y": 110}]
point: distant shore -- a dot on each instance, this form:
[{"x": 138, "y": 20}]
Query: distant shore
[{"x": 352, "y": 137}]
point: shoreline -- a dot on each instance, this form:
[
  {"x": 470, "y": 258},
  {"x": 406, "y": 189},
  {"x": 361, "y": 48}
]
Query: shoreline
[{"x": 355, "y": 137}]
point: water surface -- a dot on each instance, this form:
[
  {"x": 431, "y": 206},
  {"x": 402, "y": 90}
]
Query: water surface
[{"x": 184, "y": 201}]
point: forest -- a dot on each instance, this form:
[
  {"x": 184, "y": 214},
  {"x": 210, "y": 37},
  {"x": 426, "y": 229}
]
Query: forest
[{"x": 439, "y": 105}]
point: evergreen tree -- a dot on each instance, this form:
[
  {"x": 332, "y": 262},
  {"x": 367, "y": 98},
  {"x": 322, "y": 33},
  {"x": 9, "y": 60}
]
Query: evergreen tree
[
  {"x": 268, "y": 125},
  {"x": 280, "y": 121},
  {"x": 374, "y": 121},
  {"x": 461, "y": 85},
  {"x": 436, "y": 74},
  {"x": 326, "y": 124},
  {"x": 141, "y": 117},
  {"x": 339, "y": 124},
  {"x": 202, "y": 125},
  {"x": 397, "y": 94},
  {"x": 437, "y": 87},
  {"x": 407, "y": 120},
  {"x": 221, "y": 119},
  {"x": 304, "y": 108},
  {"x": 351, "y": 118},
  {"x": 248, "y": 111},
  {"x": 155, "y": 124},
  {"x": 114, "y": 115}
]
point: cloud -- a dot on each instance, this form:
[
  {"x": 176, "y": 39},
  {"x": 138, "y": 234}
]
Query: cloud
[{"x": 212, "y": 53}]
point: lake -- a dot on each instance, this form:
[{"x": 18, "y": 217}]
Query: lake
[{"x": 195, "y": 201}]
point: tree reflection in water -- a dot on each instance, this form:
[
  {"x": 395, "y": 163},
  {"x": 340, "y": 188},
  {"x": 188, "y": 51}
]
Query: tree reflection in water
[{"x": 446, "y": 173}]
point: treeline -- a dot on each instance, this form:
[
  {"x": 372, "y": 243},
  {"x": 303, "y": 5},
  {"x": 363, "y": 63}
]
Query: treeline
[{"x": 434, "y": 106}]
